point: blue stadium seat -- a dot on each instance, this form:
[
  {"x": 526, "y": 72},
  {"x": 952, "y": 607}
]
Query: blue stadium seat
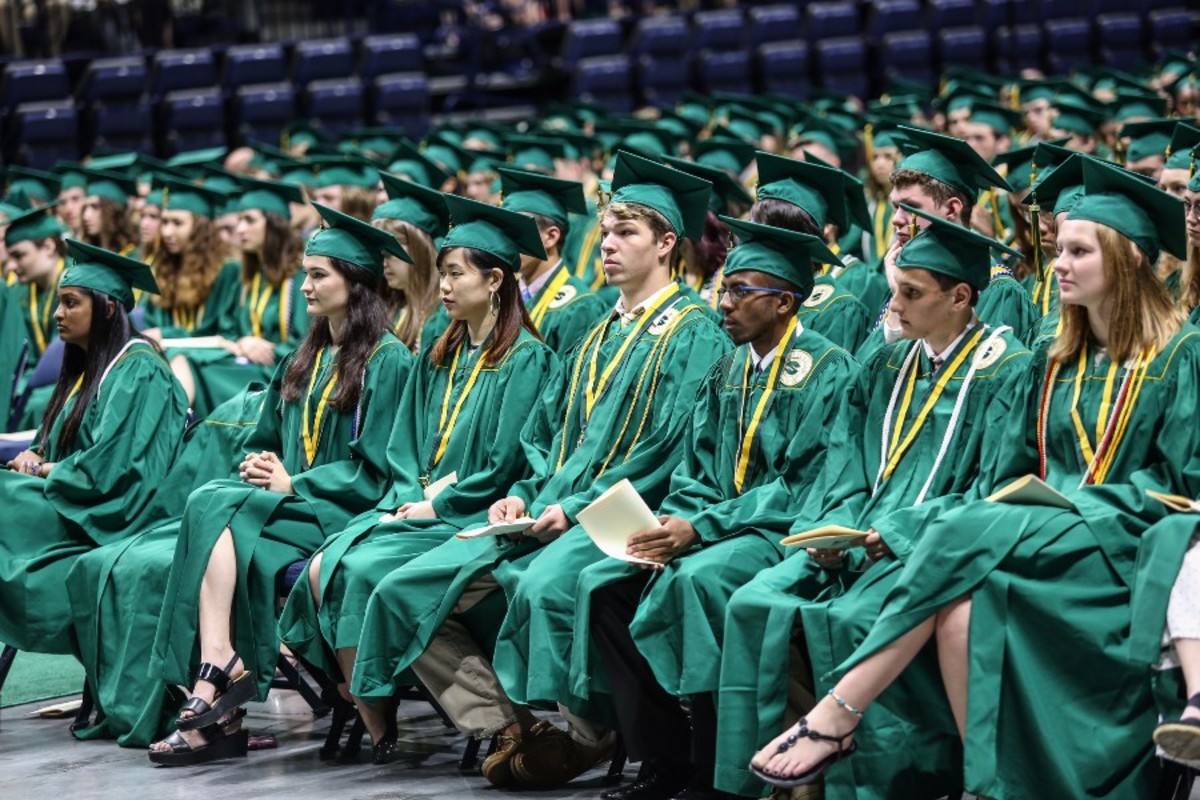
[
  {"x": 1019, "y": 47},
  {"x": 336, "y": 104},
  {"x": 176, "y": 70},
  {"x": 783, "y": 68},
  {"x": 907, "y": 54},
  {"x": 1068, "y": 44},
  {"x": 192, "y": 119},
  {"x": 965, "y": 46},
  {"x": 121, "y": 79},
  {"x": 727, "y": 71},
  {"x": 250, "y": 64},
  {"x": 1097, "y": 7},
  {"x": 401, "y": 99},
  {"x": 831, "y": 20},
  {"x": 1170, "y": 28},
  {"x": 841, "y": 61},
  {"x": 662, "y": 79},
  {"x": 994, "y": 14},
  {"x": 261, "y": 111},
  {"x": 45, "y": 132},
  {"x": 119, "y": 128},
  {"x": 589, "y": 38},
  {"x": 719, "y": 30},
  {"x": 661, "y": 36},
  {"x": 606, "y": 81},
  {"x": 390, "y": 53},
  {"x": 1119, "y": 37},
  {"x": 893, "y": 16},
  {"x": 322, "y": 60},
  {"x": 33, "y": 81},
  {"x": 1061, "y": 9},
  {"x": 950, "y": 14},
  {"x": 779, "y": 23}
]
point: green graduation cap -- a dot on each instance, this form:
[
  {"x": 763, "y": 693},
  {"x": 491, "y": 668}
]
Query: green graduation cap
[
  {"x": 1179, "y": 150},
  {"x": 181, "y": 195},
  {"x": 1000, "y": 119},
  {"x": 681, "y": 198},
  {"x": 640, "y": 136},
  {"x": 415, "y": 204},
  {"x": 535, "y": 152},
  {"x": 727, "y": 191},
  {"x": 342, "y": 171},
  {"x": 1020, "y": 166},
  {"x": 109, "y": 185},
  {"x": 411, "y": 163},
  {"x": 33, "y": 225},
  {"x": 101, "y": 270},
  {"x": 787, "y": 255},
  {"x": 35, "y": 183},
  {"x": 959, "y": 96},
  {"x": 535, "y": 193},
  {"x": 855, "y": 194},
  {"x": 818, "y": 189},
  {"x": 70, "y": 175},
  {"x": 13, "y": 206},
  {"x": 346, "y": 238},
  {"x": 302, "y": 133},
  {"x": 490, "y": 138},
  {"x": 270, "y": 197},
  {"x": 1033, "y": 89},
  {"x": 1130, "y": 104},
  {"x": 575, "y": 145},
  {"x": 949, "y": 160},
  {"x": 1194, "y": 179},
  {"x": 1078, "y": 114},
  {"x": 192, "y": 162},
  {"x": 821, "y": 131},
  {"x": 950, "y": 249},
  {"x": 452, "y": 157},
  {"x": 881, "y": 131},
  {"x": 723, "y": 152},
  {"x": 1149, "y": 138},
  {"x": 501, "y": 232}
]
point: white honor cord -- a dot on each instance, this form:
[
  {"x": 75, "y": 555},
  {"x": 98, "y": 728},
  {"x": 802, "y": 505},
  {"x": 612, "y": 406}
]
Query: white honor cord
[
  {"x": 113, "y": 363},
  {"x": 887, "y": 418}
]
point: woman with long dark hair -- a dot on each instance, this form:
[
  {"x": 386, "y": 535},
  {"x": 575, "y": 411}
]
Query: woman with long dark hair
[
  {"x": 455, "y": 446},
  {"x": 114, "y": 424},
  {"x": 271, "y": 316},
  {"x": 317, "y": 457}
]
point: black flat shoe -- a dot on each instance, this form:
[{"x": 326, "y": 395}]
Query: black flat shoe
[
  {"x": 385, "y": 750},
  {"x": 814, "y": 773}
]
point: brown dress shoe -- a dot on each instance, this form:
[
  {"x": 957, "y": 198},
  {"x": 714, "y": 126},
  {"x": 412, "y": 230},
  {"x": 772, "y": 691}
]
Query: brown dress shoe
[
  {"x": 497, "y": 767},
  {"x": 553, "y": 758},
  {"x": 813, "y": 791}
]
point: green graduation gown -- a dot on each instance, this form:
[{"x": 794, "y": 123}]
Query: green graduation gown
[
  {"x": 1053, "y": 589},
  {"x": 116, "y": 590},
  {"x": 35, "y": 310},
  {"x": 1005, "y": 302},
  {"x": 12, "y": 345},
  {"x": 834, "y": 609},
  {"x": 346, "y": 476},
  {"x": 836, "y": 314},
  {"x": 101, "y": 490},
  {"x": 565, "y": 315},
  {"x": 633, "y": 431},
  {"x": 484, "y": 450},
  {"x": 214, "y": 317},
  {"x": 864, "y": 280}
]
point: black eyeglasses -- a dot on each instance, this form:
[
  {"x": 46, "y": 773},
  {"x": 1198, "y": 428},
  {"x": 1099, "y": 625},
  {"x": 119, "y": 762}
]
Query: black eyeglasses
[
  {"x": 741, "y": 292},
  {"x": 1190, "y": 209}
]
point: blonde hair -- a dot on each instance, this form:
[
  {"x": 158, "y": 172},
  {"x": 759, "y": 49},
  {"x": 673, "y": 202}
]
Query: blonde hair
[
  {"x": 421, "y": 297},
  {"x": 1144, "y": 316},
  {"x": 358, "y": 202},
  {"x": 659, "y": 226}
]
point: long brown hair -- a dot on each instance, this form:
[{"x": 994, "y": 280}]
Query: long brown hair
[
  {"x": 186, "y": 279},
  {"x": 281, "y": 252},
  {"x": 117, "y": 230},
  {"x": 1022, "y": 242},
  {"x": 1143, "y": 313},
  {"x": 511, "y": 315},
  {"x": 1189, "y": 280},
  {"x": 366, "y": 321},
  {"x": 421, "y": 297},
  {"x": 358, "y": 202}
]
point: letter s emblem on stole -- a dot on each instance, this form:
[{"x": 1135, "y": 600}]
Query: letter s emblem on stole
[
  {"x": 820, "y": 293},
  {"x": 799, "y": 363},
  {"x": 565, "y": 295},
  {"x": 990, "y": 353},
  {"x": 663, "y": 321}
]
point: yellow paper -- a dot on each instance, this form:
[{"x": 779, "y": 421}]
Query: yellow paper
[
  {"x": 828, "y": 537},
  {"x": 1175, "y": 502},
  {"x": 1032, "y": 491},
  {"x": 616, "y": 515}
]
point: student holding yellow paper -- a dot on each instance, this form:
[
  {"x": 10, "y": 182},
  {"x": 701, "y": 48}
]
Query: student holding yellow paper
[
  {"x": 458, "y": 427},
  {"x": 1020, "y": 596},
  {"x": 908, "y": 447}
]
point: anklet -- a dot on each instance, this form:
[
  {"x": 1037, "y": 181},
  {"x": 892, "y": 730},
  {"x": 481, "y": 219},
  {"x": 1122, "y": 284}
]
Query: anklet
[{"x": 844, "y": 704}]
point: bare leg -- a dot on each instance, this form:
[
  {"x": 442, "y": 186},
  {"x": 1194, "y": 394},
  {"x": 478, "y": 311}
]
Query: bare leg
[
  {"x": 953, "y": 635},
  {"x": 314, "y": 578},
  {"x": 1188, "y": 651},
  {"x": 183, "y": 373},
  {"x": 216, "y": 608}
]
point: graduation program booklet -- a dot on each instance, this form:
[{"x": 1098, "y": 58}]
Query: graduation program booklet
[
  {"x": 1032, "y": 491},
  {"x": 1175, "y": 502},
  {"x": 616, "y": 515},
  {"x": 518, "y": 525},
  {"x": 828, "y": 537},
  {"x": 194, "y": 342}
]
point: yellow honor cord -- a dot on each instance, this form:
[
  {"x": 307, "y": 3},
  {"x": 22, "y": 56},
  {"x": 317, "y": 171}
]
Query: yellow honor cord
[
  {"x": 446, "y": 428},
  {"x": 589, "y": 244},
  {"x": 41, "y": 316},
  {"x": 593, "y": 391},
  {"x": 285, "y": 294},
  {"x": 899, "y": 446},
  {"x": 258, "y": 304},
  {"x": 747, "y": 443},
  {"x": 1140, "y": 368},
  {"x": 312, "y": 434},
  {"x": 883, "y": 231},
  {"x": 74, "y": 389},
  {"x": 1100, "y": 458},
  {"x": 548, "y": 294},
  {"x": 714, "y": 298}
]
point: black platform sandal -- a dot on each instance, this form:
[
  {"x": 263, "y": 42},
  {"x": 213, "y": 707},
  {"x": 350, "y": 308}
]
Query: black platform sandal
[
  {"x": 232, "y": 692},
  {"x": 225, "y": 740},
  {"x": 814, "y": 773},
  {"x": 1180, "y": 739}
]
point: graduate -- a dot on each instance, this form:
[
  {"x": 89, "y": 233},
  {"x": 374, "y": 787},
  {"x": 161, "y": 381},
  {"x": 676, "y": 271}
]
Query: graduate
[
  {"x": 150, "y": 227},
  {"x": 71, "y": 188},
  {"x": 1018, "y": 595},
  {"x": 113, "y": 425},
  {"x": 104, "y": 216},
  {"x": 455, "y": 446},
  {"x": 562, "y": 307},
  {"x": 759, "y": 434},
  {"x": 629, "y": 387},
  {"x": 316, "y": 458},
  {"x": 270, "y": 317},
  {"x": 1189, "y": 274},
  {"x": 416, "y": 215}
]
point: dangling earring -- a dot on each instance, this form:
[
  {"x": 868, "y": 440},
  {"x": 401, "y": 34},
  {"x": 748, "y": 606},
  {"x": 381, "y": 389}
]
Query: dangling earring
[{"x": 494, "y": 300}]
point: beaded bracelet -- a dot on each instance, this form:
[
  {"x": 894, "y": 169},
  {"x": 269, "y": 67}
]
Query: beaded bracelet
[{"x": 844, "y": 704}]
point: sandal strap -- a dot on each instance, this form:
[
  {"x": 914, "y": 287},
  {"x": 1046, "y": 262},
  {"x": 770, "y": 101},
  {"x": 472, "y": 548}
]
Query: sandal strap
[
  {"x": 213, "y": 674},
  {"x": 197, "y": 706},
  {"x": 807, "y": 732},
  {"x": 1194, "y": 700}
]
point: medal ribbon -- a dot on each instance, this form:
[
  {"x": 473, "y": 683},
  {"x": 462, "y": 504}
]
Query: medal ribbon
[
  {"x": 258, "y": 304},
  {"x": 747, "y": 442},
  {"x": 446, "y": 428},
  {"x": 592, "y": 391},
  {"x": 312, "y": 436}
]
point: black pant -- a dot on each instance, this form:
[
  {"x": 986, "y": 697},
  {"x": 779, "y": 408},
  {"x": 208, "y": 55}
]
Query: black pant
[{"x": 653, "y": 723}]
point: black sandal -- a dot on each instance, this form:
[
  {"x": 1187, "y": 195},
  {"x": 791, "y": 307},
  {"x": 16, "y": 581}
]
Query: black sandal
[
  {"x": 225, "y": 740},
  {"x": 231, "y": 693},
  {"x": 814, "y": 773},
  {"x": 1180, "y": 740}
]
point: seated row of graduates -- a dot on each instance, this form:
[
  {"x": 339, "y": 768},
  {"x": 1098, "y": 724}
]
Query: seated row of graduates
[{"x": 734, "y": 446}]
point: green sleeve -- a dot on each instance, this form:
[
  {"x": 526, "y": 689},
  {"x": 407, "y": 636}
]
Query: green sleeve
[
  {"x": 434, "y": 327},
  {"x": 1004, "y": 302},
  {"x": 539, "y": 430},
  {"x": 224, "y": 303},
  {"x": 268, "y": 430},
  {"x": 573, "y": 322},
  {"x": 12, "y": 343},
  {"x": 408, "y": 435}
]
